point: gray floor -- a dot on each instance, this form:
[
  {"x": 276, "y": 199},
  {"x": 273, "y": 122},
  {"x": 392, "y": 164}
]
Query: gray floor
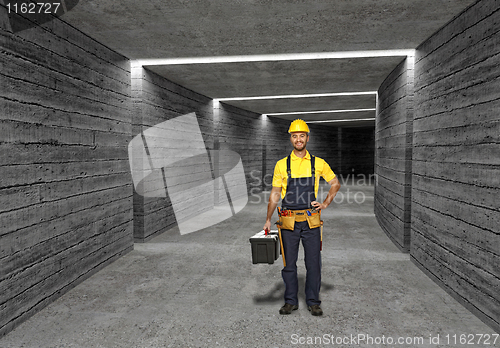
[{"x": 202, "y": 290}]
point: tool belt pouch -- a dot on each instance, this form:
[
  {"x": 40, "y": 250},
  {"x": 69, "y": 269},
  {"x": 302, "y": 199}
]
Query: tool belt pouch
[
  {"x": 287, "y": 222},
  {"x": 314, "y": 221}
]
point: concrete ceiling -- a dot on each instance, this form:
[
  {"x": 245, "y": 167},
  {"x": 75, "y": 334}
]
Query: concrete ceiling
[{"x": 270, "y": 47}]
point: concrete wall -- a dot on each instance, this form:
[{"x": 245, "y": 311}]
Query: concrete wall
[
  {"x": 452, "y": 212},
  {"x": 242, "y": 131},
  {"x": 157, "y": 100},
  {"x": 323, "y": 142},
  {"x": 65, "y": 188},
  {"x": 456, "y": 168},
  {"x": 276, "y": 145},
  {"x": 393, "y": 141}
]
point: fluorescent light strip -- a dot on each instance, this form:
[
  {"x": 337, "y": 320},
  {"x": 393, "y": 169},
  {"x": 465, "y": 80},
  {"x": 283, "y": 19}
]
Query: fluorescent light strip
[
  {"x": 347, "y": 120},
  {"x": 293, "y": 96},
  {"x": 317, "y": 112},
  {"x": 273, "y": 57}
]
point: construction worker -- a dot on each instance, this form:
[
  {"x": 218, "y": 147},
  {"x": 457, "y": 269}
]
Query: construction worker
[{"x": 296, "y": 181}]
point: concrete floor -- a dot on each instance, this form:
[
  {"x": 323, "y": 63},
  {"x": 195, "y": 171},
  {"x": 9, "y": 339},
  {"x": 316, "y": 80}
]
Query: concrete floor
[{"x": 202, "y": 290}]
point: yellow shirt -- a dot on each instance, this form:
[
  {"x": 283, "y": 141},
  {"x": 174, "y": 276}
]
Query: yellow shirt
[{"x": 300, "y": 168}]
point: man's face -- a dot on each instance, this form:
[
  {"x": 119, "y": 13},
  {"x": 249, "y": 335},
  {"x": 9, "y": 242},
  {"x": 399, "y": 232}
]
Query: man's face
[{"x": 299, "y": 140}]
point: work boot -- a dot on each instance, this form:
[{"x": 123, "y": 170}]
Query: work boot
[
  {"x": 288, "y": 308},
  {"x": 315, "y": 309}
]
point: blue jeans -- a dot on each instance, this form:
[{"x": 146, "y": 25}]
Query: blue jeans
[{"x": 311, "y": 241}]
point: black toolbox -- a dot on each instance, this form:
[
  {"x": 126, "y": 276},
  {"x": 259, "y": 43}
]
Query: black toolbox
[{"x": 265, "y": 248}]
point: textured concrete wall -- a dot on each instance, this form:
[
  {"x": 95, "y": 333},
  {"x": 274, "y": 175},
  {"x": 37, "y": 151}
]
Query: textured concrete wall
[
  {"x": 65, "y": 190},
  {"x": 393, "y": 141},
  {"x": 323, "y": 142},
  {"x": 443, "y": 207},
  {"x": 456, "y": 169},
  {"x": 157, "y": 100},
  {"x": 357, "y": 151},
  {"x": 276, "y": 145},
  {"x": 242, "y": 131}
]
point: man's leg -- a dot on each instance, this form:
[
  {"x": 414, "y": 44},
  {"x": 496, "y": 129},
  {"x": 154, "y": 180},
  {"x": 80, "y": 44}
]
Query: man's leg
[
  {"x": 311, "y": 240},
  {"x": 291, "y": 240}
]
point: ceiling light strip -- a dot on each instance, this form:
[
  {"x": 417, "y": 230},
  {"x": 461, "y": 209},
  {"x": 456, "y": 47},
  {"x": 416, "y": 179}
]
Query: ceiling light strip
[
  {"x": 294, "y": 96},
  {"x": 346, "y": 120},
  {"x": 317, "y": 112},
  {"x": 274, "y": 57}
]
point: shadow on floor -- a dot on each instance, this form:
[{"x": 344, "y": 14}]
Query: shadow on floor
[{"x": 276, "y": 294}]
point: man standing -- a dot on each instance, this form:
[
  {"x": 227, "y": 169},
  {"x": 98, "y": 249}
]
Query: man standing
[{"x": 296, "y": 182}]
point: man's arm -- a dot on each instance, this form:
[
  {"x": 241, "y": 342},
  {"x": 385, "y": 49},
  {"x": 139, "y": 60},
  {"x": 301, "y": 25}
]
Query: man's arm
[
  {"x": 334, "y": 188},
  {"x": 274, "y": 199}
]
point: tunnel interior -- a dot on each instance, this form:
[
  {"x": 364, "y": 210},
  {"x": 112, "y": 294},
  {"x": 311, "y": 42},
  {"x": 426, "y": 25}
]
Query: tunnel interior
[{"x": 422, "y": 125}]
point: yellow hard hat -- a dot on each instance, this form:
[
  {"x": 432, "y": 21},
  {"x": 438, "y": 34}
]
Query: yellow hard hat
[{"x": 298, "y": 126}]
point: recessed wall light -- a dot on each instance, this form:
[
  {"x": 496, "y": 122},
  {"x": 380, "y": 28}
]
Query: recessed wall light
[
  {"x": 317, "y": 112},
  {"x": 294, "y": 96},
  {"x": 273, "y": 57},
  {"x": 346, "y": 120}
]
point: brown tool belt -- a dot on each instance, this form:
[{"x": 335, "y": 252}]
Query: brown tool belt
[{"x": 288, "y": 221}]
